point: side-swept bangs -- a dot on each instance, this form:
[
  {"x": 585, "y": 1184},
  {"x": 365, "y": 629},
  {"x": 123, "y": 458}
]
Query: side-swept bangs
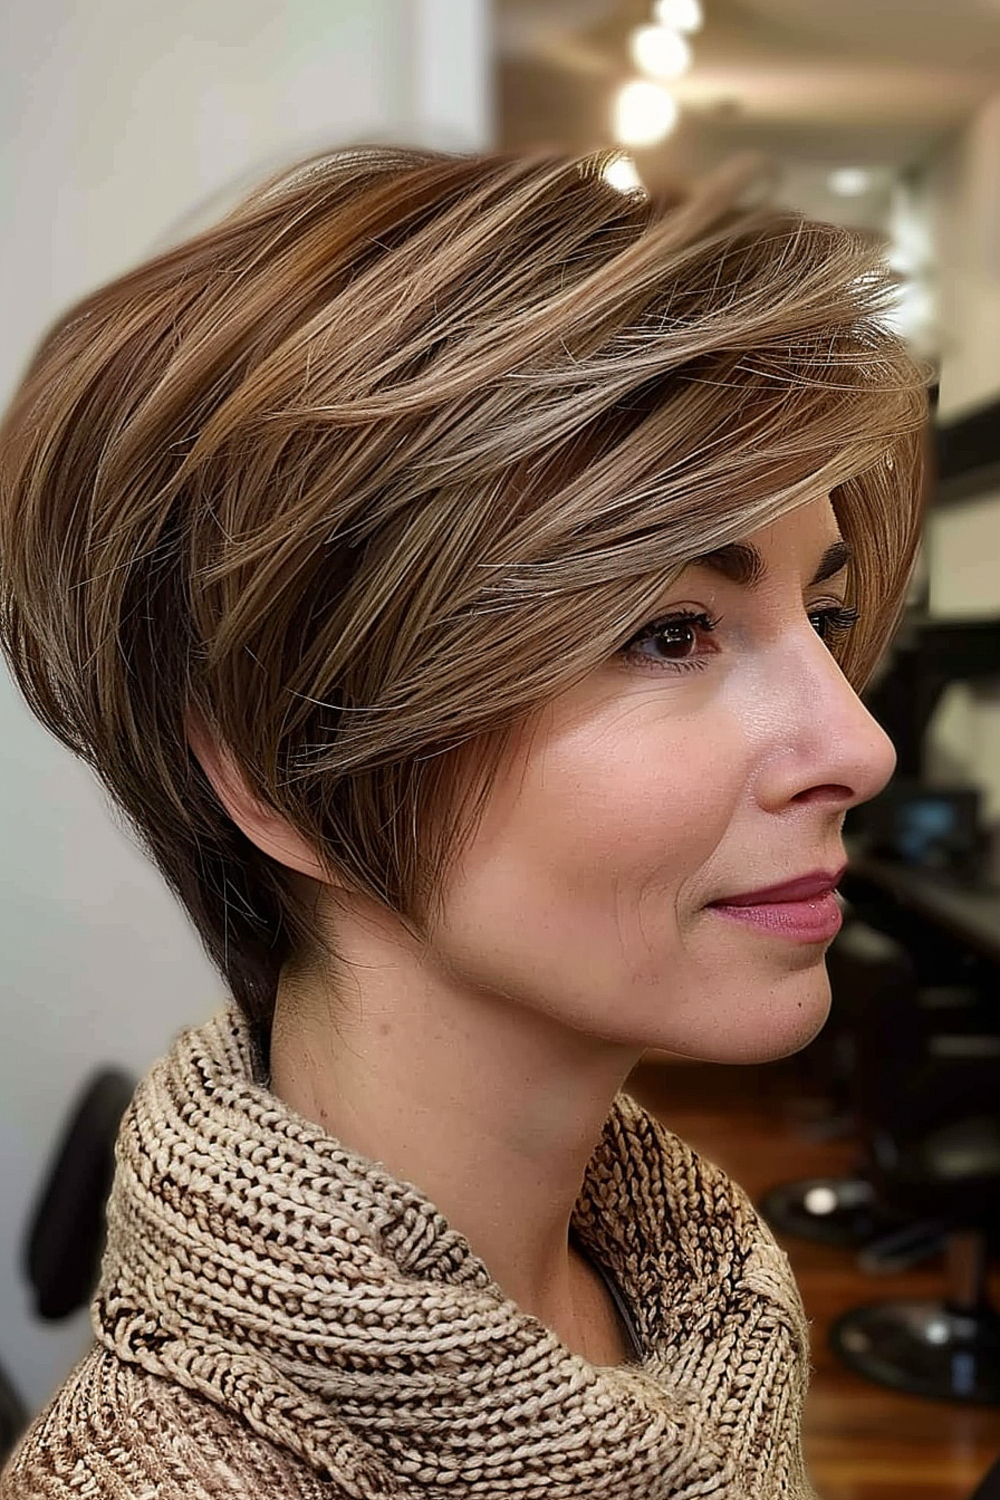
[{"x": 342, "y": 474}]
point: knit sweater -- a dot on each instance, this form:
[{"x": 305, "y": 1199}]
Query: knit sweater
[{"x": 280, "y": 1318}]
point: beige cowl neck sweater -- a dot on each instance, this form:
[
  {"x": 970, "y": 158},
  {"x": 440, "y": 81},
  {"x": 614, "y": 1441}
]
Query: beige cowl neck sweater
[{"x": 279, "y": 1317}]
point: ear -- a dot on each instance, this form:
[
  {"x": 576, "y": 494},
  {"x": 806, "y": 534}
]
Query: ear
[{"x": 261, "y": 824}]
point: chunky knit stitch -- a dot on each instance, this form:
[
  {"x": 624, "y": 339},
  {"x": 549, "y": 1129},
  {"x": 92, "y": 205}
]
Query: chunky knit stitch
[{"x": 278, "y": 1317}]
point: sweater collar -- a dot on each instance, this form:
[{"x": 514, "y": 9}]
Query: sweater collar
[{"x": 298, "y": 1284}]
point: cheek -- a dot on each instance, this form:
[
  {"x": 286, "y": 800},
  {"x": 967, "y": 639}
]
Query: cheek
[
  {"x": 638, "y": 804},
  {"x": 588, "y": 876},
  {"x": 600, "y": 815},
  {"x": 651, "y": 787}
]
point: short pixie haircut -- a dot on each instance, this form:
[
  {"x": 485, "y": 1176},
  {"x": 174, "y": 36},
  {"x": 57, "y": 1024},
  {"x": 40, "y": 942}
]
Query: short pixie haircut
[{"x": 404, "y": 446}]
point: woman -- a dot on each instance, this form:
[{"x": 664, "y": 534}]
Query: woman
[{"x": 461, "y": 574}]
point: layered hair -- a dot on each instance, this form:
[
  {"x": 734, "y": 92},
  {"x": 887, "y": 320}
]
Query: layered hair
[{"x": 405, "y": 445}]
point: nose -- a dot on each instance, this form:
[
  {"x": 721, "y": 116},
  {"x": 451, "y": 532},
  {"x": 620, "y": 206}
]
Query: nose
[{"x": 826, "y": 748}]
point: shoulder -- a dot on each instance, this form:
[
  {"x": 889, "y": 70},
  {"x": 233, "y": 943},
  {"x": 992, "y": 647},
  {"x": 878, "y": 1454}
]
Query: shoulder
[
  {"x": 113, "y": 1431},
  {"x": 715, "y": 1242}
]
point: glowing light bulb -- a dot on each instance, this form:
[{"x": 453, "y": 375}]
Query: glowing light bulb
[
  {"x": 659, "y": 51},
  {"x": 681, "y": 15},
  {"x": 644, "y": 113}
]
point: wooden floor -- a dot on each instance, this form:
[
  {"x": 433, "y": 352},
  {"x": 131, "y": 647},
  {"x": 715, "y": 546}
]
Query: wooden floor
[{"x": 863, "y": 1442}]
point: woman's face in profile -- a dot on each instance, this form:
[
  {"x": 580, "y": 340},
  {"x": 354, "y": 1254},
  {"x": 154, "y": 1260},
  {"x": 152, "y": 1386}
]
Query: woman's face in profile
[{"x": 714, "y": 756}]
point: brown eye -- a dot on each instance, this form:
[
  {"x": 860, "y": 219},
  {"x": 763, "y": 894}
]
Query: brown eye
[
  {"x": 673, "y": 641},
  {"x": 676, "y": 640}
]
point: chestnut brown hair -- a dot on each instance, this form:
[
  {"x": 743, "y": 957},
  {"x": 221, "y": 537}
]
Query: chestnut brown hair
[{"x": 345, "y": 472}]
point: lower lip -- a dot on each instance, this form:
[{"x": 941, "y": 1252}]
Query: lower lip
[{"x": 816, "y": 920}]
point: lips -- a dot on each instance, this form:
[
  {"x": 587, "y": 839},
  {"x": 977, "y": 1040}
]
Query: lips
[
  {"x": 802, "y": 888},
  {"x": 803, "y": 910}
]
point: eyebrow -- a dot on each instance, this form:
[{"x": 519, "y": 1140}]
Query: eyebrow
[{"x": 741, "y": 563}]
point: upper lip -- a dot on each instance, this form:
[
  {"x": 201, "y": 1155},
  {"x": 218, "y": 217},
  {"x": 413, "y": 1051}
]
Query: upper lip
[{"x": 816, "y": 883}]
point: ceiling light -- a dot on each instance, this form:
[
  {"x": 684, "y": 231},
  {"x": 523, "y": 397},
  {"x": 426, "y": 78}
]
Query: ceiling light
[
  {"x": 660, "y": 51},
  {"x": 849, "y": 182},
  {"x": 682, "y": 15},
  {"x": 644, "y": 113},
  {"x": 621, "y": 174}
]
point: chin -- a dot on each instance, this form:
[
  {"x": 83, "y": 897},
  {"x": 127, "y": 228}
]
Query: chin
[
  {"x": 770, "y": 1049},
  {"x": 767, "y": 1026},
  {"x": 792, "y": 1023}
]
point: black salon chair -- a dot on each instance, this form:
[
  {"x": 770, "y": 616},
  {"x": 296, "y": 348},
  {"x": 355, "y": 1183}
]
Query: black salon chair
[
  {"x": 66, "y": 1227},
  {"x": 866, "y": 969},
  {"x": 948, "y": 1348},
  {"x": 934, "y": 1155},
  {"x": 927, "y": 1108},
  {"x": 940, "y": 1013}
]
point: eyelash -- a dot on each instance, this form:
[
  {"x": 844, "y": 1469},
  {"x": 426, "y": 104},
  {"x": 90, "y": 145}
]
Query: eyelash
[{"x": 838, "y": 620}]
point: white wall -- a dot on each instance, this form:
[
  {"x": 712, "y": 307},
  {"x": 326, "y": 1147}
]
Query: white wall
[
  {"x": 965, "y": 177},
  {"x": 963, "y": 740},
  {"x": 117, "y": 119},
  {"x": 962, "y": 543}
]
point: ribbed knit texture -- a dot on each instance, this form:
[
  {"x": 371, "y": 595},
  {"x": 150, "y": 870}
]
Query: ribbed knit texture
[{"x": 278, "y": 1317}]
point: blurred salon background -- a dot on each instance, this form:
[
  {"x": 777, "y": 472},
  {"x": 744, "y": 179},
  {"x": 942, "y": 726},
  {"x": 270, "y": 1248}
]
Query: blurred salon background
[{"x": 875, "y": 1154}]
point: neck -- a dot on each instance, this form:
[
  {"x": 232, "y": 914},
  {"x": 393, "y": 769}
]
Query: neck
[{"x": 492, "y": 1109}]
